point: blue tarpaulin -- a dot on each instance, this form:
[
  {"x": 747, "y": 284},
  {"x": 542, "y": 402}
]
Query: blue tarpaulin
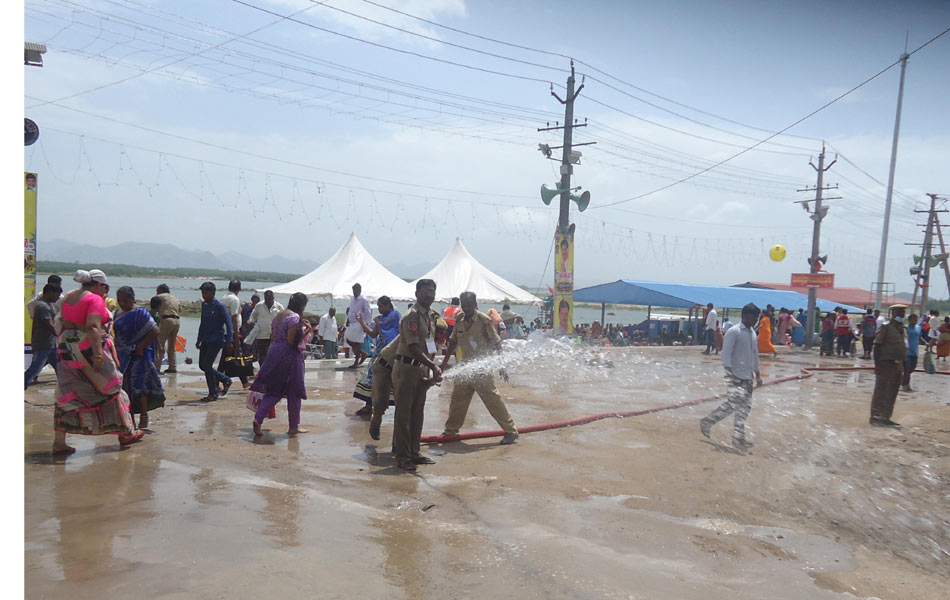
[{"x": 684, "y": 295}]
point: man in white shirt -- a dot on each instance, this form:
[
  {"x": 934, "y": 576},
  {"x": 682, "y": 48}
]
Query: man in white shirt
[
  {"x": 328, "y": 332},
  {"x": 740, "y": 359},
  {"x": 712, "y": 321},
  {"x": 359, "y": 306},
  {"x": 726, "y": 326},
  {"x": 262, "y": 317},
  {"x": 232, "y": 303}
]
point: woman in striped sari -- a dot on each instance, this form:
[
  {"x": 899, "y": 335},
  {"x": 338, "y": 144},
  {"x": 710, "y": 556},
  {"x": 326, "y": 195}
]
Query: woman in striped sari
[
  {"x": 90, "y": 399},
  {"x": 385, "y": 330}
]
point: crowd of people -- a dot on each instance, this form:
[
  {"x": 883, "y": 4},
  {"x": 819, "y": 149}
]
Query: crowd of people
[
  {"x": 108, "y": 361},
  {"x": 107, "y": 354}
]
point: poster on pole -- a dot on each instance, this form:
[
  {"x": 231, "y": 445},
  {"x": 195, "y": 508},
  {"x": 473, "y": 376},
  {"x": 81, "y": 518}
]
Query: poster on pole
[
  {"x": 29, "y": 253},
  {"x": 563, "y": 282}
]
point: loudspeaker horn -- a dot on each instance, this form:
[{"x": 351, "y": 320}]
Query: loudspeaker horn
[
  {"x": 582, "y": 201},
  {"x": 547, "y": 194}
]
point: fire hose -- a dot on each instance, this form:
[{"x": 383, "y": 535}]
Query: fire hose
[{"x": 805, "y": 374}]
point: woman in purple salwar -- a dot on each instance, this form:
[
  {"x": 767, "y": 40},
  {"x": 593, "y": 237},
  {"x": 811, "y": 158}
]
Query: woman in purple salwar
[{"x": 281, "y": 375}]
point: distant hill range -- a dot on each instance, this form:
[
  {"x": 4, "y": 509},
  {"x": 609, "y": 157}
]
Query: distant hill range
[{"x": 166, "y": 255}]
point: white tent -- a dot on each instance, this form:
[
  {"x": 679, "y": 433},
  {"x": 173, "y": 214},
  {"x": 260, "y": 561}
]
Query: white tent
[
  {"x": 460, "y": 272},
  {"x": 351, "y": 264}
]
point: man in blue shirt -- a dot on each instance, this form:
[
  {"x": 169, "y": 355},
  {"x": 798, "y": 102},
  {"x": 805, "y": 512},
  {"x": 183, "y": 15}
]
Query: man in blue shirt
[
  {"x": 215, "y": 331},
  {"x": 913, "y": 341},
  {"x": 740, "y": 359}
]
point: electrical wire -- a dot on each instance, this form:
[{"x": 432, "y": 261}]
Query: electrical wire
[
  {"x": 808, "y": 116},
  {"x": 440, "y": 41},
  {"x": 131, "y": 77},
  {"x": 577, "y": 60},
  {"x": 393, "y": 48},
  {"x": 281, "y": 160}
]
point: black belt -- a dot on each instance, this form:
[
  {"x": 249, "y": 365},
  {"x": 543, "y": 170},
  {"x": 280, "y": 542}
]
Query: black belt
[
  {"x": 382, "y": 362},
  {"x": 408, "y": 360},
  {"x": 169, "y": 316}
]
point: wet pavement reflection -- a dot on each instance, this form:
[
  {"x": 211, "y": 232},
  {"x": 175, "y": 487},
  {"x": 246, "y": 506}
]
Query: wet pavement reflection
[{"x": 639, "y": 507}]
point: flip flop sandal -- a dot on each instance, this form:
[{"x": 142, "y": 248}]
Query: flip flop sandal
[
  {"x": 125, "y": 440},
  {"x": 62, "y": 451},
  {"x": 407, "y": 465}
]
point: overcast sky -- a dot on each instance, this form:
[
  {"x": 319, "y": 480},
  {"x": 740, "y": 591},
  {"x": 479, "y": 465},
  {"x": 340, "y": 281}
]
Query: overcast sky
[{"x": 221, "y": 125}]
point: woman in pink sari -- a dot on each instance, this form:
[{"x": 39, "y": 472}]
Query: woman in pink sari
[
  {"x": 90, "y": 399},
  {"x": 783, "y": 326}
]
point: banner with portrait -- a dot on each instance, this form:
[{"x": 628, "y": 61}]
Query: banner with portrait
[
  {"x": 29, "y": 251},
  {"x": 563, "y": 282}
]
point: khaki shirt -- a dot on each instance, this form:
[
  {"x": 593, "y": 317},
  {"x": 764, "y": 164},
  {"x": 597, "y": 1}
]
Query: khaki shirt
[
  {"x": 417, "y": 327},
  {"x": 170, "y": 307},
  {"x": 891, "y": 342},
  {"x": 475, "y": 337}
]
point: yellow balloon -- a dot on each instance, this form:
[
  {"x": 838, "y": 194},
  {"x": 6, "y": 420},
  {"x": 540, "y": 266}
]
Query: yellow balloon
[{"x": 777, "y": 253}]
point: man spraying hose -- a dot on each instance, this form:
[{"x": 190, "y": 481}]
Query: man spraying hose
[{"x": 476, "y": 336}]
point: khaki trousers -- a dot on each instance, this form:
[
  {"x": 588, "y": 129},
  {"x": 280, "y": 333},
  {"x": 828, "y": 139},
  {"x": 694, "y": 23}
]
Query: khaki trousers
[
  {"x": 462, "y": 393},
  {"x": 886, "y": 385},
  {"x": 167, "y": 336},
  {"x": 410, "y": 393},
  {"x": 382, "y": 386}
]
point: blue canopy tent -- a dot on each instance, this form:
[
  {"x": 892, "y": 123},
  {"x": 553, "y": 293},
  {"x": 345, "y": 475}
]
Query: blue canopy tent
[{"x": 684, "y": 295}]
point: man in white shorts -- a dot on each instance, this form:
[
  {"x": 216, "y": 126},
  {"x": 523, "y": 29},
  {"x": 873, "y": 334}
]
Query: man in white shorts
[{"x": 354, "y": 334}]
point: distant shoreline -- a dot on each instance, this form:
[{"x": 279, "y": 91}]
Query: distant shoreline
[{"x": 122, "y": 270}]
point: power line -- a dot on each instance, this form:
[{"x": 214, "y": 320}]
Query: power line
[
  {"x": 624, "y": 231},
  {"x": 578, "y": 61},
  {"x": 808, "y": 116},
  {"x": 309, "y": 71},
  {"x": 392, "y": 48},
  {"x": 696, "y": 135},
  {"x": 107, "y": 85},
  {"x": 271, "y": 158},
  {"x": 437, "y": 40}
]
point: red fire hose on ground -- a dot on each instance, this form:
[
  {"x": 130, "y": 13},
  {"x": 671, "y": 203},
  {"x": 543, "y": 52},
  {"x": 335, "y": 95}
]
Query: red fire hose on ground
[{"x": 806, "y": 373}]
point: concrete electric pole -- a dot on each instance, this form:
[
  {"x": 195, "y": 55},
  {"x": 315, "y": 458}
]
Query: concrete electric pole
[
  {"x": 566, "y": 168},
  {"x": 879, "y": 284},
  {"x": 815, "y": 265},
  {"x": 564, "y": 235}
]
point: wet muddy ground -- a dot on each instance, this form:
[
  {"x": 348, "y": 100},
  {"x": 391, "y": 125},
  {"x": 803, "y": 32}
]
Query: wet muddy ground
[{"x": 823, "y": 506}]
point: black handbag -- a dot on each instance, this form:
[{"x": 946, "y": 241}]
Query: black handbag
[{"x": 239, "y": 365}]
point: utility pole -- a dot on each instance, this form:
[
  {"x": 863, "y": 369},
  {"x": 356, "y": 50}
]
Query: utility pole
[
  {"x": 890, "y": 187},
  {"x": 814, "y": 263},
  {"x": 564, "y": 234},
  {"x": 923, "y": 269},
  {"x": 943, "y": 251},
  {"x": 566, "y": 168},
  {"x": 926, "y": 259}
]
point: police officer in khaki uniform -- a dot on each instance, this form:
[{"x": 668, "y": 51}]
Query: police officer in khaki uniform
[
  {"x": 413, "y": 362},
  {"x": 475, "y": 336},
  {"x": 383, "y": 376},
  {"x": 382, "y": 385},
  {"x": 890, "y": 352}
]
